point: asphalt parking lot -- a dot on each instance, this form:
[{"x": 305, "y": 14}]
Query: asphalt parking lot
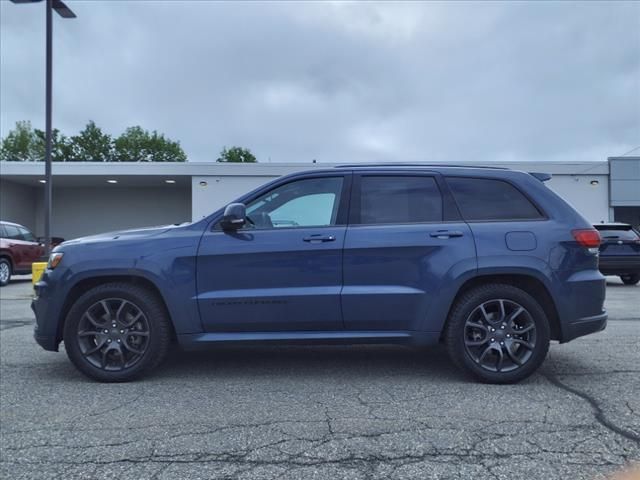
[{"x": 321, "y": 412}]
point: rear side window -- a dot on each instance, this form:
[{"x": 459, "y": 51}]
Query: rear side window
[
  {"x": 3, "y": 234},
  {"x": 12, "y": 232},
  {"x": 398, "y": 199},
  {"x": 491, "y": 199}
]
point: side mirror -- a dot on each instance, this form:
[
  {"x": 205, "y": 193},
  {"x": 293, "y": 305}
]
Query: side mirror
[{"x": 235, "y": 216}]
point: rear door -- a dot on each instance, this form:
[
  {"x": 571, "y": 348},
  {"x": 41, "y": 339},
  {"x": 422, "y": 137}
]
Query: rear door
[
  {"x": 403, "y": 242},
  {"x": 284, "y": 270}
]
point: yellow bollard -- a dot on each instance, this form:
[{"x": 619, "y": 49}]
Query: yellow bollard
[{"x": 37, "y": 269}]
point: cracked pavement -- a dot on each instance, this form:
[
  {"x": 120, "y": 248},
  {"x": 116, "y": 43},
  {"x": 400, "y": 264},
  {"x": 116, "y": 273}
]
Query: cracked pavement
[{"x": 321, "y": 412}]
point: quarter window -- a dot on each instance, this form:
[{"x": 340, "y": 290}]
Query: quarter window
[
  {"x": 491, "y": 199},
  {"x": 312, "y": 202},
  {"x": 399, "y": 199}
]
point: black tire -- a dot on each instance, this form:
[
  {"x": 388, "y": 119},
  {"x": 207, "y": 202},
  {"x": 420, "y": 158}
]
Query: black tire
[
  {"x": 5, "y": 271},
  {"x": 630, "y": 279},
  {"x": 461, "y": 332},
  {"x": 152, "y": 339}
]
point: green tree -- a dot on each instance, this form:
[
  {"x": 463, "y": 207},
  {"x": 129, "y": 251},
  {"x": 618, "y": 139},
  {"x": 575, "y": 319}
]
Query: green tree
[
  {"x": 91, "y": 145},
  {"x": 60, "y": 146},
  {"x": 20, "y": 144},
  {"x": 138, "y": 145},
  {"x": 26, "y": 144},
  {"x": 236, "y": 155}
]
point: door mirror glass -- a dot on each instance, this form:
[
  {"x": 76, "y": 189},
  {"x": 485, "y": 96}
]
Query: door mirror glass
[{"x": 235, "y": 216}]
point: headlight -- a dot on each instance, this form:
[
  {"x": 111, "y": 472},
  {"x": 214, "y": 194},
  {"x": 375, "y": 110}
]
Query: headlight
[{"x": 54, "y": 260}]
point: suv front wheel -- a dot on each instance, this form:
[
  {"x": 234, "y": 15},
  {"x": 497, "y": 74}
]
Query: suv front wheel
[
  {"x": 498, "y": 333},
  {"x": 117, "y": 332}
]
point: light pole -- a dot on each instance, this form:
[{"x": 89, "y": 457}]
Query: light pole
[{"x": 64, "y": 12}]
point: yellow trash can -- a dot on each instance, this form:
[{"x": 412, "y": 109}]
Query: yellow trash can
[{"x": 37, "y": 269}]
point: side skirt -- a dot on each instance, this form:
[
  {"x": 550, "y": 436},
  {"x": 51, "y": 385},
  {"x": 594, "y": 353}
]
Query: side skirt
[{"x": 199, "y": 340}]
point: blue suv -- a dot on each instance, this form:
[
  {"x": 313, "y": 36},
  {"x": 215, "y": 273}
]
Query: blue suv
[{"x": 488, "y": 261}]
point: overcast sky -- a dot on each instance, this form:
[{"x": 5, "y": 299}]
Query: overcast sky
[{"x": 338, "y": 82}]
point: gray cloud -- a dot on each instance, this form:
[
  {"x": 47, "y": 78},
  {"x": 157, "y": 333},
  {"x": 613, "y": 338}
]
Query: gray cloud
[{"x": 340, "y": 82}]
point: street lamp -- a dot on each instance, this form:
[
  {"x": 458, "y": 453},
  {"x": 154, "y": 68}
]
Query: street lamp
[{"x": 65, "y": 12}]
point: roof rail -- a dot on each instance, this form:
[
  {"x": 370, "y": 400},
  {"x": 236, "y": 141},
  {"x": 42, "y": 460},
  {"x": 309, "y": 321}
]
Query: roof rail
[
  {"x": 543, "y": 177},
  {"x": 397, "y": 164}
]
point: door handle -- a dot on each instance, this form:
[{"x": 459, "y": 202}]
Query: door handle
[
  {"x": 319, "y": 238},
  {"x": 446, "y": 234}
]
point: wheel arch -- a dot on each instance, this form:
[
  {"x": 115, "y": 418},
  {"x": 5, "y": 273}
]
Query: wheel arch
[
  {"x": 6, "y": 254},
  {"x": 86, "y": 284},
  {"x": 529, "y": 283}
]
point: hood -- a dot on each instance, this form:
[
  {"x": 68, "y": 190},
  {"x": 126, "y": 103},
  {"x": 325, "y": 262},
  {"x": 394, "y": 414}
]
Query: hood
[{"x": 133, "y": 234}]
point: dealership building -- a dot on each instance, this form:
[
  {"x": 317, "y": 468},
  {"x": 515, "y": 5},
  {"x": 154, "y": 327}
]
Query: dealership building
[{"x": 96, "y": 197}]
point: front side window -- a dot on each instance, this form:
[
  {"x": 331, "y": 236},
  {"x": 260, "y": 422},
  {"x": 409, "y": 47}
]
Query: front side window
[
  {"x": 491, "y": 199},
  {"x": 27, "y": 235},
  {"x": 399, "y": 199},
  {"x": 311, "y": 202}
]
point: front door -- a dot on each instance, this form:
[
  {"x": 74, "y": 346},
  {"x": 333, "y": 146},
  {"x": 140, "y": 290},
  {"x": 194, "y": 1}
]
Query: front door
[
  {"x": 401, "y": 247},
  {"x": 283, "y": 270}
]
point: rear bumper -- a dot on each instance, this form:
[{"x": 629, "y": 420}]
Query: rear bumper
[
  {"x": 619, "y": 264},
  {"x": 580, "y": 304},
  {"x": 585, "y": 326}
]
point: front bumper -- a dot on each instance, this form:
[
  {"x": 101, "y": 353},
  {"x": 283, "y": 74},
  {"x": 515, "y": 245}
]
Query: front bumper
[{"x": 46, "y": 309}]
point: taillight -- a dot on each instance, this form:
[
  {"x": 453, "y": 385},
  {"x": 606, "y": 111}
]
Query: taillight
[{"x": 588, "y": 237}]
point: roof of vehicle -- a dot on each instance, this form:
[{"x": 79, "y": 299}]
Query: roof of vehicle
[
  {"x": 416, "y": 165},
  {"x": 4, "y": 222},
  {"x": 481, "y": 170}
]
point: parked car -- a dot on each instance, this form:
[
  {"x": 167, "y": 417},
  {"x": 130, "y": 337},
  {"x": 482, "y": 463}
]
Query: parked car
[
  {"x": 19, "y": 248},
  {"x": 620, "y": 251},
  {"x": 488, "y": 261}
]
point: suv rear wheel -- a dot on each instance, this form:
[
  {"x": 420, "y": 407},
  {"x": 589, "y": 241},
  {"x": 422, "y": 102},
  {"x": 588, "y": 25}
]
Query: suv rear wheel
[
  {"x": 630, "y": 279},
  {"x": 498, "y": 333},
  {"x": 117, "y": 332},
  {"x": 5, "y": 271}
]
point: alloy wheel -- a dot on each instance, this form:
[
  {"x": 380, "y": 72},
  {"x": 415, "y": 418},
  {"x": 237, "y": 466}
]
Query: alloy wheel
[
  {"x": 4, "y": 272},
  {"x": 113, "y": 334},
  {"x": 500, "y": 335}
]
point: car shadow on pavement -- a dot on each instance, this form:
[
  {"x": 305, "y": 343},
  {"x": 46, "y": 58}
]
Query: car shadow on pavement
[
  {"x": 310, "y": 362},
  {"x": 290, "y": 362}
]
